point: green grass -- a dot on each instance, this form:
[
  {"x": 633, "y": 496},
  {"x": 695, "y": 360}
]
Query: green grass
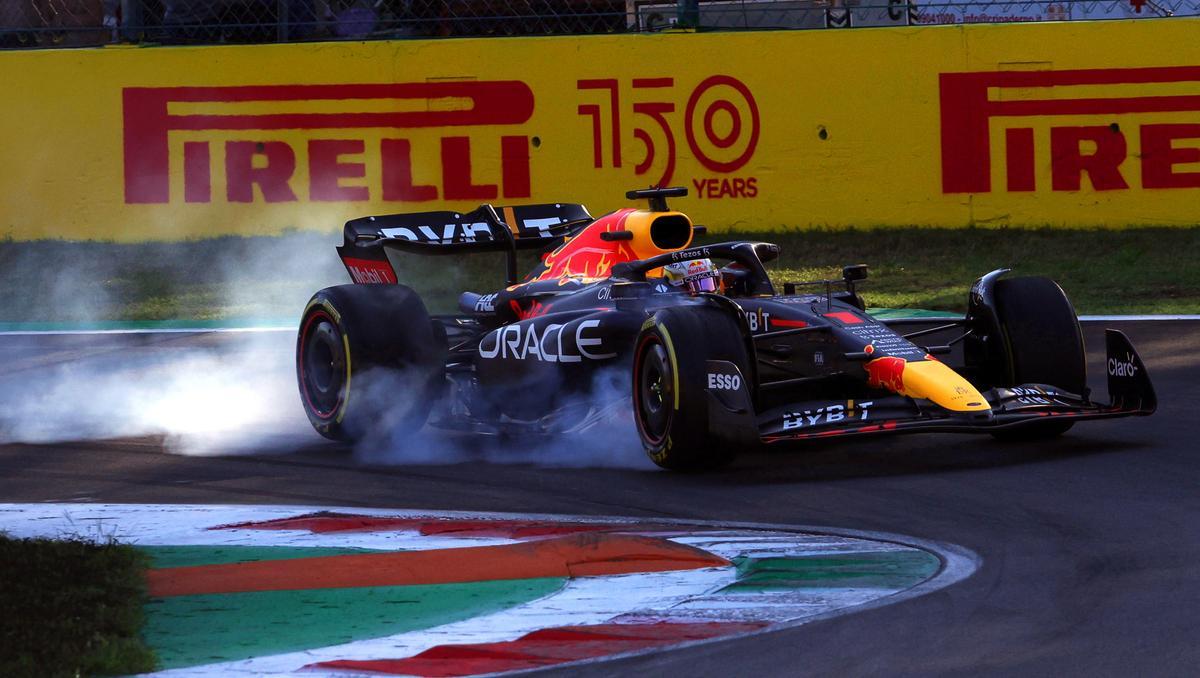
[
  {"x": 1103, "y": 271},
  {"x": 71, "y": 607},
  {"x": 1147, "y": 270}
]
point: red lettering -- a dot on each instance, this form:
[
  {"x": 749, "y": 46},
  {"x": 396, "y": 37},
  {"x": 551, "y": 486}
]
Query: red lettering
[
  {"x": 593, "y": 110},
  {"x": 968, "y": 106},
  {"x": 365, "y": 271},
  {"x": 614, "y": 111},
  {"x": 1068, "y": 163},
  {"x": 736, "y": 187},
  {"x": 148, "y": 122},
  {"x": 197, "y": 172},
  {"x": 1018, "y": 145},
  {"x": 1159, "y": 157},
  {"x": 272, "y": 179},
  {"x": 514, "y": 166},
  {"x": 456, "y": 172},
  {"x": 396, "y": 155},
  {"x": 325, "y": 170}
]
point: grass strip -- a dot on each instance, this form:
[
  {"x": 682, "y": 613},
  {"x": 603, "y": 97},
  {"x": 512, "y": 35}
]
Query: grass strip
[
  {"x": 71, "y": 607},
  {"x": 1104, "y": 271}
]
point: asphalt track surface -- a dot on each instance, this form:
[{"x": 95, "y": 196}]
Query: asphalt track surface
[{"x": 1090, "y": 544}]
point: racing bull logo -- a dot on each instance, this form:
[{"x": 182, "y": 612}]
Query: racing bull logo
[{"x": 887, "y": 373}]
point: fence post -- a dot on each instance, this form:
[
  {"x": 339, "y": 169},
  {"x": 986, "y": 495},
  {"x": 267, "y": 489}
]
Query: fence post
[
  {"x": 132, "y": 22},
  {"x": 281, "y": 20},
  {"x": 688, "y": 13}
]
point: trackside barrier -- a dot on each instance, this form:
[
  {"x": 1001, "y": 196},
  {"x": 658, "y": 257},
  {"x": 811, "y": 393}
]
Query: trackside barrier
[{"x": 1064, "y": 124}]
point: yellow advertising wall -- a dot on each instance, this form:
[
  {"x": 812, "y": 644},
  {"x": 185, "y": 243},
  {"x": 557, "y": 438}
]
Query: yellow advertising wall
[{"x": 1068, "y": 124}]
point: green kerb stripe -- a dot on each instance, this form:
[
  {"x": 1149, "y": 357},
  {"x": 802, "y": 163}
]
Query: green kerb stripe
[
  {"x": 882, "y": 569},
  {"x": 192, "y": 630}
]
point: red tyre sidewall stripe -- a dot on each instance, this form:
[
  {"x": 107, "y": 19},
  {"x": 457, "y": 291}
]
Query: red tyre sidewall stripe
[
  {"x": 300, "y": 366},
  {"x": 637, "y": 402}
]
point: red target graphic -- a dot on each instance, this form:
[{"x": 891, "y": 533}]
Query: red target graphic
[{"x": 730, "y": 150}]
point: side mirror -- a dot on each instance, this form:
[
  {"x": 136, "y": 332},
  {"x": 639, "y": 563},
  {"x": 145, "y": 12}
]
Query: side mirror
[{"x": 854, "y": 272}]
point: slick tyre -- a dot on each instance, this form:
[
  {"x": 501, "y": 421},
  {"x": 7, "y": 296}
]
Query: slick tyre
[
  {"x": 368, "y": 359},
  {"x": 669, "y": 370},
  {"x": 1042, "y": 344}
]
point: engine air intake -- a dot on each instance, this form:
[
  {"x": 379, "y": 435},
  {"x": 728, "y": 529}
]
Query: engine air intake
[{"x": 671, "y": 232}]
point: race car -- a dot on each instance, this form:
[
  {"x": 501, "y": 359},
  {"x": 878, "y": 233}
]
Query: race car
[{"x": 623, "y": 313}]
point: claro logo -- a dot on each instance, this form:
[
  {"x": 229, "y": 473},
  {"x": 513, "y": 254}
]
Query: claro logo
[
  {"x": 971, "y": 101},
  {"x": 335, "y": 139},
  {"x": 1122, "y": 368}
]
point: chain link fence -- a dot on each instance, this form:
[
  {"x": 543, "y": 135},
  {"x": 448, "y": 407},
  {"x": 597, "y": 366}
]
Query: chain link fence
[{"x": 64, "y": 23}]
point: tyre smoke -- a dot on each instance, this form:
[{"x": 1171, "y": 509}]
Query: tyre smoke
[
  {"x": 236, "y": 393},
  {"x": 200, "y": 399},
  {"x": 590, "y": 429}
]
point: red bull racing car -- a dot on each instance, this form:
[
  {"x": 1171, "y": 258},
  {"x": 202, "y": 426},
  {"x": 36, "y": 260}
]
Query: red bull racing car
[{"x": 710, "y": 356}]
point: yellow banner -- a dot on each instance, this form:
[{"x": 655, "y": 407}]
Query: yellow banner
[{"x": 1063, "y": 124}]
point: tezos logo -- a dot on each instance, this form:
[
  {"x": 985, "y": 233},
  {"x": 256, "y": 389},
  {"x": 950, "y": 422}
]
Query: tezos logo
[
  {"x": 724, "y": 382},
  {"x": 1122, "y": 368},
  {"x": 694, "y": 253}
]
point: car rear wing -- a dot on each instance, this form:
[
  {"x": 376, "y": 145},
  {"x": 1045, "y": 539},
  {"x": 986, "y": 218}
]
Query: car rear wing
[{"x": 367, "y": 240}]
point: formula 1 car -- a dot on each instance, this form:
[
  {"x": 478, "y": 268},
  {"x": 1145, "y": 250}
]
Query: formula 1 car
[{"x": 710, "y": 359}]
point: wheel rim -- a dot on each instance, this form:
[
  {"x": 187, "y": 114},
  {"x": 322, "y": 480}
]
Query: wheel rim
[
  {"x": 322, "y": 365},
  {"x": 654, "y": 391}
]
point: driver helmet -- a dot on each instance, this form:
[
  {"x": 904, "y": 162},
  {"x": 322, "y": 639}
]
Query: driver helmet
[{"x": 699, "y": 275}]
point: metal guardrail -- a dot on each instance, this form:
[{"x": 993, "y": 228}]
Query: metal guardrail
[{"x": 61, "y": 23}]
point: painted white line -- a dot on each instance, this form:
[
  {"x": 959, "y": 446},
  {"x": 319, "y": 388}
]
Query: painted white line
[
  {"x": 176, "y": 330},
  {"x": 1134, "y": 318},
  {"x": 197, "y": 330},
  {"x": 583, "y": 601},
  {"x": 958, "y": 563}
]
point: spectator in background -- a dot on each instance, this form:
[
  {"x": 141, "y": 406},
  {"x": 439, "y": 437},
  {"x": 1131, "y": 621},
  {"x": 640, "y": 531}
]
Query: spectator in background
[
  {"x": 354, "y": 18},
  {"x": 53, "y": 23},
  {"x": 215, "y": 21},
  {"x": 17, "y": 19}
]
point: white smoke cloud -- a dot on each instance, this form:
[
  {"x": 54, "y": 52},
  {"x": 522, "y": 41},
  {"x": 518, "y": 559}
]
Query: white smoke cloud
[
  {"x": 236, "y": 393},
  {"x": 594, "y": 430},
  {"x": 203, "y": 400},
  {"x": 229, "y": 393}
]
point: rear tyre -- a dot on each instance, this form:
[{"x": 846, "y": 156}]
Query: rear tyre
[
  {"x": 1042, "y": 344},
  {"x": 669, "y": 370},
  {"x": 368, "y": 357}
]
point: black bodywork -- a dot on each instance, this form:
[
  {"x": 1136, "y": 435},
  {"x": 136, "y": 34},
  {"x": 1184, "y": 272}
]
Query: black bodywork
[{"x": 554, "y": 355}]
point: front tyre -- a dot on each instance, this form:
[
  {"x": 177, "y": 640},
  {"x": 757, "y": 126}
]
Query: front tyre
[
  {"x": 1042, "y": 344},
  {"x": 368, "y": 357},
  {"x": 669, "y": 370}
]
